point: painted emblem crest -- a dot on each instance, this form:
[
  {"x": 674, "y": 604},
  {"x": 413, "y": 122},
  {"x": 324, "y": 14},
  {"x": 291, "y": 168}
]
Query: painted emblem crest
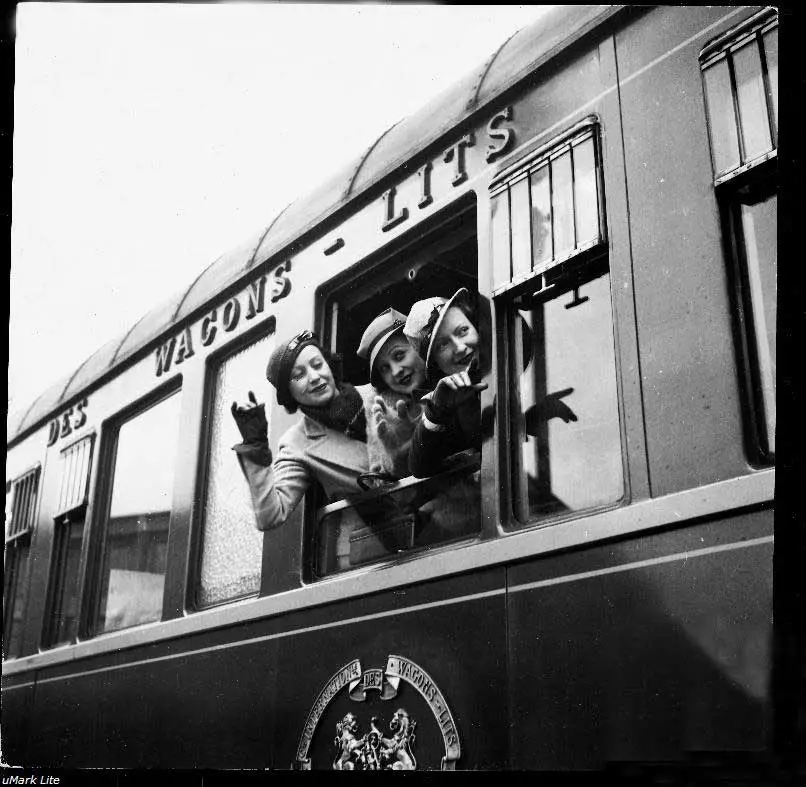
[{"x": 366, "y": 746}]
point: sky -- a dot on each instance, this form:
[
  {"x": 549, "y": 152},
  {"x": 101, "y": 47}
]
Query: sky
[{"x": 151, "y": 138}]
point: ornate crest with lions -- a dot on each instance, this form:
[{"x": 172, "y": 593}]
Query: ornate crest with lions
[{"x": 373, "y": 751}]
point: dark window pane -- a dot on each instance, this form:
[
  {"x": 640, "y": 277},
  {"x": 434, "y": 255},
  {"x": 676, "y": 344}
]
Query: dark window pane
[
  {"x": 752, "y": 103},
  {"x": 562, "y": 200},
  {"x": 771, "y": 53},
  {"x": 135, "y": 547},
  {"x": 721, "y": 117},
  {"x": 500, "y": 233},
  {"x": 15, "y": 595},
  {"x": 521, "y": 232},
  {"x": 585, "y": 191},
  {"x": 541, "y": 216},
  {"x": 759, "y": 227},
  {"x": 565, "y": 429},
  {"x": 414, "y": 514},
  {"x": 232, "y": 547},
  {"x": 64, "y": 616}
]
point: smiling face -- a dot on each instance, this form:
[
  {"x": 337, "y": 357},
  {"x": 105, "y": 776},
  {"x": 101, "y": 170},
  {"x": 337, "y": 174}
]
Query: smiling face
[
  {"x": 456, "y": 345},
  {"x": 399, "y": 366},
  {"x": 311, "y": 381}
]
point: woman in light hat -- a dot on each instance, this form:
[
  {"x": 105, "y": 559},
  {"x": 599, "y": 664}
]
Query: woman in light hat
[
  {"x": 328, "y": 444},
  {"x": 443, "y": 331},
  {"x": 397, "y": 373}
]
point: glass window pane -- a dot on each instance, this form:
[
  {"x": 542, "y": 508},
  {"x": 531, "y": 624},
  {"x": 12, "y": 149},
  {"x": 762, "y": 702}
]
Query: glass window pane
[
  {"x": 232, "y": 547},
  {"x": 521, "y": 232},
  {"x": 752, "y": 103},
  {"x": 500, "y": 233},
  {"x": 760, "y": 226},
  {"x": 15, "y": 595},
  {"x": 562, "y": 201},
  {"x": 585, "y": 191},
  {"x": 541, "y": 216},
  {"x": 721, "y": 117},
  {"x": 64, "y": 615},
  {"x": 414, "y": 514},
  {"x": 565, "y": 430},
  {"x": 771, "y": 53},
  {"x": 136, "y": 538}
]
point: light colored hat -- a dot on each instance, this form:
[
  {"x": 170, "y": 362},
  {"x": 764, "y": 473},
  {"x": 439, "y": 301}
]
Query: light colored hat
[
  {"x": 425, "y": 318},
  {"x": 377, "y": 332}
]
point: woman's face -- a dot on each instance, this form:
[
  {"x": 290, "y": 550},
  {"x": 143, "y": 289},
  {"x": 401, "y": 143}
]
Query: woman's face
[
  {"x": 399, "y": 366},
  {"x": 456, "y": 345},
  {"x": 311, "y": 381}
]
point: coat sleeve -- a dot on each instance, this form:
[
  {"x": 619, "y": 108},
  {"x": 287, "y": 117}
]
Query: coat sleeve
[
  {"x": 429, "y": 449},
  {"x": 275, "y": 489}
]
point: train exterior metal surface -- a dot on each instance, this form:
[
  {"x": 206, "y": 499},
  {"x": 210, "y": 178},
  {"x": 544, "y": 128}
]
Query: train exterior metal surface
[{"x": 633, "y": 625}]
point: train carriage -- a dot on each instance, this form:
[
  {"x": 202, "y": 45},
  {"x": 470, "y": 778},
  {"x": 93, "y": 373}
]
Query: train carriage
[{"x": 607, "y": 183}]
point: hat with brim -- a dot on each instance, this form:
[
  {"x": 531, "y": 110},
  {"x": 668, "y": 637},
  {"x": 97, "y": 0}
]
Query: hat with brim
[
  {"x": 425, "y": 320},
  {"x": 378, "y": 332}
]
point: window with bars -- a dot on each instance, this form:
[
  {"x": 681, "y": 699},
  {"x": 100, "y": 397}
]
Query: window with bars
[
  {"x": 740, "y": 80},
  {"x": 63, "y": 599},
  {"x": 555, "y": 320},
  {"x": 19, "y": 530},
  {"x": 547, "y": 210},
  {"x": 740, "y": 75}
]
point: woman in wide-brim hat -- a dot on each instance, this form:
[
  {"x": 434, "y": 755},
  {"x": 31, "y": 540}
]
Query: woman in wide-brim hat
[
  {"x": 328, "y": 444},
  {"x": 397, "y": 373},
  {"x": 444, "y": 332}
]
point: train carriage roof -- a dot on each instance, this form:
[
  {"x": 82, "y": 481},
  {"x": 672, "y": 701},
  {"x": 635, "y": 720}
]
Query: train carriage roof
[{"x": 511, "y": 62}]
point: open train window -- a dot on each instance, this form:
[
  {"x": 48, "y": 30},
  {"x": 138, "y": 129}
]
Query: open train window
[
  {"x": 140, "y": 461},
  {"x": 19, "y": 530},
  {"x": 399, "y": 515},
  {"x": 63, "y": 594},
  {"x": 740, "y": 78},
  {"x": 555, "y": 329}
]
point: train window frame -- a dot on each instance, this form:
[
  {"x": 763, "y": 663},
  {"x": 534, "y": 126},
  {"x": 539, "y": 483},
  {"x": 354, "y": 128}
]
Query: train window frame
[
  {"x": 71, "y": 511},
  {"x": 749, "y": 181},
  {"x": 409, "y": 254},
  {"x": 90, "y": 625},
  {"x": 17, "y": 551},
  {"x": 213, "y": 366},
  {"x": 546, "y": 280}
]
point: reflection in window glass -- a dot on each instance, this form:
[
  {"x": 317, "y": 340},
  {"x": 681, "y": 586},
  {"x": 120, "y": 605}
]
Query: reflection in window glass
[
  {"x": 500, "y": 233},
  {"x": 136, "y": 535},
  {"x": 232, "y": 546},
  {"x": 721, "y": 117},
  {"x": 565, "y": 425},
  {"x": 541, "y": 216},
  {"x": 15, "y": 596},
  {"x": 771, "y": 53},
  {"x": 563, "y": 202},
  {"x": 414, "y": 514},
  {"x": 521, "y": 237},
  {"x": 752, "y": 103},
  {"x": 67, "y": 555},
  {"x": 759, "y": 227},
  {"x": 585, "y": 193}
]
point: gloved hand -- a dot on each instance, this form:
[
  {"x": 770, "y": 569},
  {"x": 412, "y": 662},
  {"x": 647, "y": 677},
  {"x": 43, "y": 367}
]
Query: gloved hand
[
  {"x": 394, "y": 427},
  {"x": 251, "y": 421},
  {"x": 451, "y": 391}
]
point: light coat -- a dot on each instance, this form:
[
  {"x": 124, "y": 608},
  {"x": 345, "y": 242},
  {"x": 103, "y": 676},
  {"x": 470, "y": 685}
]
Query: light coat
[{"x": 307, "y": 452}]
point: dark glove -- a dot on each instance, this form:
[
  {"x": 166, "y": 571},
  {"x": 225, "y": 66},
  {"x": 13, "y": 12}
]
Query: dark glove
[
  {"x": 451, "y": 391},
  {"x": 251, "y": 422}
]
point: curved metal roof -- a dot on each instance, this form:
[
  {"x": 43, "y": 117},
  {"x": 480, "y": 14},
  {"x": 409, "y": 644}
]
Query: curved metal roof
[{"x": 517, "y": 57}]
